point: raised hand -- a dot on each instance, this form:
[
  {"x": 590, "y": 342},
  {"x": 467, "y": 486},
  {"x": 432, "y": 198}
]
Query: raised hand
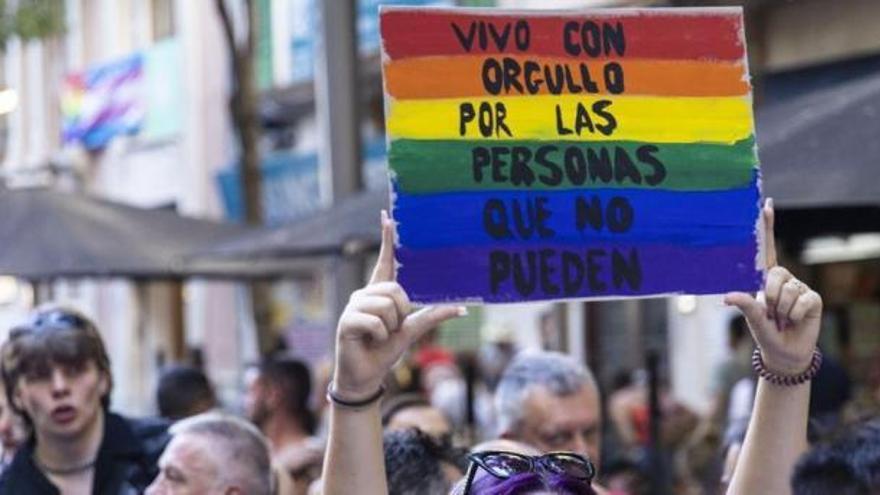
[
  {"x": 378, "y": 325},
  {"x": 785, "y": 322}
]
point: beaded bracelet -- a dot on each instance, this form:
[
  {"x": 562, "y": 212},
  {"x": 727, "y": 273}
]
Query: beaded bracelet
[
  {"x": 787, "y": 380},
  {"x": 351, "y": 404}
]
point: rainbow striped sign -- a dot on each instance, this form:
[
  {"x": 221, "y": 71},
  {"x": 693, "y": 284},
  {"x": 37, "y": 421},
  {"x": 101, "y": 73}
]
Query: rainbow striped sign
[{"x": 553, "y": 155}]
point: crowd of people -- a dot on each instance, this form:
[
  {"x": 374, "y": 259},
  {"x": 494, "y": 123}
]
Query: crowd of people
[{"x": 398, "y": 414}]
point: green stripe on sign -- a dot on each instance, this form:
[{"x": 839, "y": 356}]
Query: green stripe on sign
[{"x": 429, "y": 166}]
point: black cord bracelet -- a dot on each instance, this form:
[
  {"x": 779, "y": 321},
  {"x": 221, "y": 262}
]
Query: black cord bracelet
[{"x": 351, "y": 404}]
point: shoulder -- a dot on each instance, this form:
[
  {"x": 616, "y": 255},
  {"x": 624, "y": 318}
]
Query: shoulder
[
  {"x": 152, "y": 433},
  {"x": 148, "y": 435},
  {"x": 21, "y": 476},
  {"x": 148, "y": 427},
  {"x": 10, "y": 482},
  {"x": 7, "y": 479}
]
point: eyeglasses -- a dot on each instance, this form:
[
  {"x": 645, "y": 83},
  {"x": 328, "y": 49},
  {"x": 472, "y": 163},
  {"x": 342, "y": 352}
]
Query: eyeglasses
[{"x": 503, "y": 465}]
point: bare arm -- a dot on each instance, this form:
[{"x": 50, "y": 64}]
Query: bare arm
[
  {"x": 775, "y": 440},
  {"x": 786, "y": 328},
  {"x": 375, "y": 328},
  {"x": 355, "y": 462}
]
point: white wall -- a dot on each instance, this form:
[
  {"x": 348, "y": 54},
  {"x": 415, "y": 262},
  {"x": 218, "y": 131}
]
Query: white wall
[
  {"x": 697, "y": 343},
  {"x": 522, "y": 319}
]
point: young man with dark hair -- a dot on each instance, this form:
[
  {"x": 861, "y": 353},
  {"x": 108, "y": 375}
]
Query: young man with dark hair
[
  {"x": 57, "y": 375},
  {"x": 276, "y": 400},
  {"x": 184, "y": 391}
]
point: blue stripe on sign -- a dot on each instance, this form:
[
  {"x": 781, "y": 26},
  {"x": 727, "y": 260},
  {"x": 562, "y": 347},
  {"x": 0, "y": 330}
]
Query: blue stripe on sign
[{"x": 689, "y": 218}]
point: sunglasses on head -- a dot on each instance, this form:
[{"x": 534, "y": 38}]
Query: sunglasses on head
[
  {"x": 55, "y": 318},
  {"x": 503, "y": 465}
]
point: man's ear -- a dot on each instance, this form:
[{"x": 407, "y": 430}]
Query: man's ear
[{"x": 104, "y": 384}]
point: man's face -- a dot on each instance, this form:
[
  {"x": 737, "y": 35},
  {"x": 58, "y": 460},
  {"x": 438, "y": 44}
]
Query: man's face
[
  {"x": 569, "y": 423},
  {"x": 255, "y": 390},
  {"x": 63, "y": 401},
  {"x": 187, "y": 467}
]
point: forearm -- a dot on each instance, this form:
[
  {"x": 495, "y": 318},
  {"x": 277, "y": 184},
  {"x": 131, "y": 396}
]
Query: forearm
[
  {"x": 776, "y": 438},
  {"x": 354, "y": 461}
]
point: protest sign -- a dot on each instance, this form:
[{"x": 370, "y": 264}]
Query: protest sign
[{"x": 553, "y": 155}]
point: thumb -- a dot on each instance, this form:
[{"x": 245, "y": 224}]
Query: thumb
[
  {"x": 749, "y": 306},
  {"x": 423, "y": 320}
]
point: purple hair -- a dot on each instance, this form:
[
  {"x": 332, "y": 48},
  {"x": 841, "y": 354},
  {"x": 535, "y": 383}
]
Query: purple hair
[{"x": 523, "y": 483}]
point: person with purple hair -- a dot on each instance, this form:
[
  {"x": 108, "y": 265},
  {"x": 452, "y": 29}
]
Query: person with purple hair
[
  {"x": 512, "y": 473},
  {"x": 509, "y": 467}
]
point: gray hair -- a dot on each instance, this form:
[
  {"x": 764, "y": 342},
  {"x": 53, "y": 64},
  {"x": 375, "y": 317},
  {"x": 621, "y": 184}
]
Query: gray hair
[
  {"x": 558, "y": 373},
  {"x": 243, "y": 450}
]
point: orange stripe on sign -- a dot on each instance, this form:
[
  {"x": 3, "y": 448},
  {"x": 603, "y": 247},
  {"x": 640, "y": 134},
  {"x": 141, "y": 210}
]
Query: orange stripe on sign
[{"x": 451, "y": 77}]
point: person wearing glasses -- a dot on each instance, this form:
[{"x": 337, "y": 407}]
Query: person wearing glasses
[
  {"x": 549, "y": 400},
  {"x": 509, "y": 472},
  {"x": 57, "y": 376},
  {"x": 375, "y": 329}
]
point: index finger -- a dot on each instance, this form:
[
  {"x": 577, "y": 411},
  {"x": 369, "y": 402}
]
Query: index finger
[
  {"x": 384, "y": 269},
  {"x": 769, "y": 239}
]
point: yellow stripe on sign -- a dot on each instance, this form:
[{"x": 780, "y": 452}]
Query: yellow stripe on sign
[{"x": 630, "y": 118}]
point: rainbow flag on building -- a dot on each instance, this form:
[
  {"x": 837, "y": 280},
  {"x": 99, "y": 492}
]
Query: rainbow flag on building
[
  {"x": 551, "y": 155},
  {"x": 103, "y": 101}
]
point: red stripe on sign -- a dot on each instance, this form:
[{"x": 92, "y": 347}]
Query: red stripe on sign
[{"x": 661, "y": 34}]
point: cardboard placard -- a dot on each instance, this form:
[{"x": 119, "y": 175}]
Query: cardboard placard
[{"x": 554, "y": 155}]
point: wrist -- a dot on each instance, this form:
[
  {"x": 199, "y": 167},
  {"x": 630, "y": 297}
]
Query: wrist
[
  {"x": 790, "y": 374},
  {"x": 354, "y": 399},
  {"x": 785, "y": 366}
]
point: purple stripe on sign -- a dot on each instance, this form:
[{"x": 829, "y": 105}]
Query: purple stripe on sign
[{"x": 484, "y": 274}]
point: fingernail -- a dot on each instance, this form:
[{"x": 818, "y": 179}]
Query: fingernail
[
  {"x": 769, "y": 203},
  {"x": 462, "y": 310},
  {"x": 383, "y": 216}
]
